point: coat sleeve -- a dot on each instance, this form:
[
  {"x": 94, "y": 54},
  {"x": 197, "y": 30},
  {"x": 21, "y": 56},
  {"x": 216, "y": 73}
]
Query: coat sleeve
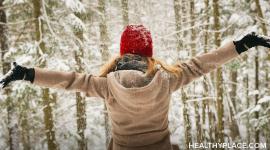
[
  {"x": 202, "y": 64},
  {"x": 91, "y": 85}
]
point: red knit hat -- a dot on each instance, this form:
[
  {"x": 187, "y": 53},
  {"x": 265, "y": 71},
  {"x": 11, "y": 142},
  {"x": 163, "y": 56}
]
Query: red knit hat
[{"x": 136, "y": 39}]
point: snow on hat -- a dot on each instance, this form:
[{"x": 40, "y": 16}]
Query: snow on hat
[{"x": 136, "y": 39}]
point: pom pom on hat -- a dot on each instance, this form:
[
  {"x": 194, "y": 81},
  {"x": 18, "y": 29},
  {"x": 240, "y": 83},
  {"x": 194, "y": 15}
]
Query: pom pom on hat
[{"x": 136, "y": 39}]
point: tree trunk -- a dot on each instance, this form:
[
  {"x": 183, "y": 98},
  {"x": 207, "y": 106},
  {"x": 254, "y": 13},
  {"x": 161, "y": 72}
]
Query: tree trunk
[
  {"x": 212, "y": 125},
  {"x": 266, "y": 66},
  {"x": 47, "y": 110},
  {"x": 11, "y": 114},
  {"x": 184, "y": 12},
  {"x": 206, "y": 103},
  {"x": 177, "y": 11},
  {"x": 25, "y": 132},
  {"x": 125, "y": 12},
  {"x": 257, "y": 131},
  {"x": 219, "y": 79},
  {"x": 48, "y": 119},
  {"x": 187, "y": 123},
  {"x": 104, "y": 39},
  {"x": 246, "y": 84},
  {"x": 80, "y": 100},
  {"x": 247, "y": 106},
  {"x": 25, "y": 127},
  {"x": 81, "y": 121},
  {"x": 193, "y": 53},
  {"x": 260, "y": 14},
  {"x": 234, "y": 130},
  {"x": 193, "y": 31}
]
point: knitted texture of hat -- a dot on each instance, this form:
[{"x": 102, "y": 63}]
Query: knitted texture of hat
[{"x": 136, "y": 39}]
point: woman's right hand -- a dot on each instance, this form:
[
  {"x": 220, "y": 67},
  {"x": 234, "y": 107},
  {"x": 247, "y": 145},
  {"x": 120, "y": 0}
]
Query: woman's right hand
[{"x": 17, "y": 72}]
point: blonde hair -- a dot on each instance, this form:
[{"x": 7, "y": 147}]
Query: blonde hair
[{"x": 153, "y": 65}]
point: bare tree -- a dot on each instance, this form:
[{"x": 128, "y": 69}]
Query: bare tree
[
  {"x": 177, "y": 16},
  {"x": 80, "y": 100},
  {"x": 234, "y": 133},
  {"x": 193, "y": 53},
  {"x": 12, "y": 124},
  {"x": 104, "y": 39},
  {"x": 206, "y": 102},
  {"x": 47, "y": 99},
  {"x": 246, "y": 85},
  {"x": 266, "y": 67},
  {"x": 257, "y": 131},
  {"x": 187, "y": 123},
  {"x": 25, "y": 123},
  {"x": 219, "y": 79},
  {"x": 125, "y": 13}
]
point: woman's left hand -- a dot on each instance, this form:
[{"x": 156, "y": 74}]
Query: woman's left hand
[
  {"x": 251, "y": 40},
  {"x": 259, "y": 40}
]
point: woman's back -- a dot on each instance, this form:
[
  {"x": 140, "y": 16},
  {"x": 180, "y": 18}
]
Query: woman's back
[
  {"x": 139, "y": 115},
  {"x": 138, "y": 107}
]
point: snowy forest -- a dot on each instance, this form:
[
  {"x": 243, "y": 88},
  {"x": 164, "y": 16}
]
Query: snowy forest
[{"x": 231, "y": 104}]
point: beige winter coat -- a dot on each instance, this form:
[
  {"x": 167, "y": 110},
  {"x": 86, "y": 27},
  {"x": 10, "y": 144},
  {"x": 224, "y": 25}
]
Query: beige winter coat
[{"x": 138, "y": 108}]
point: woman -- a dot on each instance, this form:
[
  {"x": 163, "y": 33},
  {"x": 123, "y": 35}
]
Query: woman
[{"x": 136, "y": 87}]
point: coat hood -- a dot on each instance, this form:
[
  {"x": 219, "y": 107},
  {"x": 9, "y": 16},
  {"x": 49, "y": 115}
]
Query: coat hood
[
  {"x": 131, "y": 78},
  {"x": 132, "y": 82}
]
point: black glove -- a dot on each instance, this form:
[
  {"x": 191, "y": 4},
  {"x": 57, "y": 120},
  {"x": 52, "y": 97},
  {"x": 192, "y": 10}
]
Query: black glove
[
  {"x": 251, "y": 40},
  {"x": 18, "y": 72}
]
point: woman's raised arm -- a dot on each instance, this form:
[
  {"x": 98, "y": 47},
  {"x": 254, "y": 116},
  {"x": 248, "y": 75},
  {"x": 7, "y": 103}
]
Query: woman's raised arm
[
  {"x": 207, "y": 62},
  {"x": 91, "y": 85}
]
